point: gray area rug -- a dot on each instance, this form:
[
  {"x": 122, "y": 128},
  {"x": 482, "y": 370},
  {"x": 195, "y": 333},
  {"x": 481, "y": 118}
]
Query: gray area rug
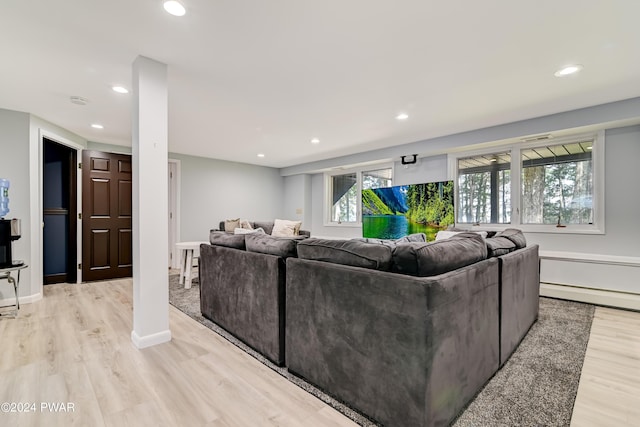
[{"x": 536, "y": 387}]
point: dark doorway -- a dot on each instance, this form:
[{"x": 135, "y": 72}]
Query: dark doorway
[
  {"x": 106, "y": 216},
  {"x": 59, "y": 201}
]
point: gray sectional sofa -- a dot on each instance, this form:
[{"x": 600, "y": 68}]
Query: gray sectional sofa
[{"x": 406, "y": 332}]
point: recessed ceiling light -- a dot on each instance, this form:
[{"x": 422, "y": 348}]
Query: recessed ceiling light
[
  {"x": 97, "y": 126},
  {"x": 590, "y": 147},
  {"x": 175, "y": 8},
  {"x": 569, "y": 69},
  {"x": 120, "y": 89},
  {"x": 315, "y": 141},
  {"x": 402, "y": 116},
  {"x": 260, "y": 155}
]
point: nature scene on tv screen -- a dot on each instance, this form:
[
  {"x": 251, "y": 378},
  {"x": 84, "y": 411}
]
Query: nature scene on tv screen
[{"x": 393, "y": 212}]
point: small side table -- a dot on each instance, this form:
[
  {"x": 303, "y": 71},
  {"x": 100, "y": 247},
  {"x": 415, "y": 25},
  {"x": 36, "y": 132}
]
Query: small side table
[
  {"x": 5, "y": 273},
  {"x": 188, "y": 252}
]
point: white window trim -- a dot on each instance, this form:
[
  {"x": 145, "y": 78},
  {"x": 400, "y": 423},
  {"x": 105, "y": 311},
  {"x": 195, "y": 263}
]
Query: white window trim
[
  {"x": 327, "y": 222},
  {"x": 597, "y": 153}
]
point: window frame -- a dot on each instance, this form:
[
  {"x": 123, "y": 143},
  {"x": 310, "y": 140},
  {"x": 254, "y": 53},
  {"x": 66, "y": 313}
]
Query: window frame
[
  {"x": 328, "y": 190},
  {"x": 515, "y": 148}
]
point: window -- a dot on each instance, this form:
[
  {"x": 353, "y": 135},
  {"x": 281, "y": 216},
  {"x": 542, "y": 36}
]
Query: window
[
  {"x": 344, "y": 192},
  {"x": 555, "y": 185},
  {"x": 484, "y": 189}
]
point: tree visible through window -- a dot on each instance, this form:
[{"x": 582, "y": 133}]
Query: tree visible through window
[
  {"x": 557, "y": 184},
  {"x": 346, "y": 188},
  {"x": 484, "y": 189}
]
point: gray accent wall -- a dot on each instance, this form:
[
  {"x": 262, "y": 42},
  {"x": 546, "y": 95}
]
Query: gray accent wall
[
  {"x": 20, "y": 162},
  {"x": 297, "y": 199},
  {"x": 427, "y": 169},
  {"x": 14, "y": 166}
]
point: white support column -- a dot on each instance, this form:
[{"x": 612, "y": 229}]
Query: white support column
[{"x": 150, "y": 199}]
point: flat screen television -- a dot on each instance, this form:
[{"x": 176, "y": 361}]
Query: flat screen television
[{"x": 393, "y": 212}]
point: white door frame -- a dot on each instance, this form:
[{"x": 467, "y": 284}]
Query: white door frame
[
  {"x": 174, "y": 209},
  {"x": 37, "y": 227}
]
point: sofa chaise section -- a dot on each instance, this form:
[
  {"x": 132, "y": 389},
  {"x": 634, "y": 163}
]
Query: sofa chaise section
[{"x": 404, "y": 350}]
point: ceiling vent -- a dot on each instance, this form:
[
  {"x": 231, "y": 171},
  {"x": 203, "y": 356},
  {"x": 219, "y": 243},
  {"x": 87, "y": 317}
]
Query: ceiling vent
[
  {"x": 78, "y": 100},
  {"x": 537, "y": 138}
]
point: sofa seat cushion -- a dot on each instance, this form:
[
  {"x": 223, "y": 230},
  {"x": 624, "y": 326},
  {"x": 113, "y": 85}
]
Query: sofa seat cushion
[
  {"x": 431, "y": 259},
  {"x": 498, "y": 246},
  {"x": 515, "y": 235},
  {"x": 279, "y": 246},
  {"x": 347, "y": 252},
  {"x": 221, "y": 238}
]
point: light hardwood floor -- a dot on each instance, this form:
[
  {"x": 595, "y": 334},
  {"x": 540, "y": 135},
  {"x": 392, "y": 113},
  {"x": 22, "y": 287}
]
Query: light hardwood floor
[
  {"x": 74, "y": 347},
  {"x": 609, "y": 390}
]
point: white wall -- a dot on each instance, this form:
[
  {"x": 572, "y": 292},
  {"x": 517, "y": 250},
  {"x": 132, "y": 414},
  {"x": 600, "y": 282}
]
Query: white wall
[{"x": 215, "y": 190}]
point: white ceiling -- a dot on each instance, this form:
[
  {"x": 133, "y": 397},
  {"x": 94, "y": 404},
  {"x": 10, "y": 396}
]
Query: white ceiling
[{"x": 248, "y": 77}]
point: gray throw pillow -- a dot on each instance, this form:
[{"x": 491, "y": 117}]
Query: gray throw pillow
[
  {"x": 347, "y": 252},
  {"x": 221, "y": 238},
  {"x": 498, "y": 246},
  {"x": 515, "y": 235},
  {"x": 433, "y": 258},
  {"x": 279, "y": 246},
  {"x": 267, "y": 226}
]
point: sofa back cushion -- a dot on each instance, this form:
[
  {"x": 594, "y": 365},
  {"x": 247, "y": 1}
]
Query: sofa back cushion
[
  {"x": 221, "y": 238},
  {"x": 348, "y": 252},
  {"x": 499, "y": 245},
  {"x": 430, "y": 259},
  {"x": 515, "y": 235},
  {"x": 279, "y": 246},
  {"x": 417, "y": 237}
]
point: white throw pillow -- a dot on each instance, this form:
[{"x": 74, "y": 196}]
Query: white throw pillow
[
  {"x": 245, "y": 224},
  {"x": 239, "y": 230},
  {"x": 285, "y": 228}
]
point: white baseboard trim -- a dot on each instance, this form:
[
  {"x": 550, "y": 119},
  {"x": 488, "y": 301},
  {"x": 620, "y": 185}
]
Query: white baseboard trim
[
  {"x": 592, "y": 271},
  {"x": 150, "y": 340},
  {"x": 7, "y": 302},
  {"x": 591, "y": 258},
  {"x": 609, "y": 298}
]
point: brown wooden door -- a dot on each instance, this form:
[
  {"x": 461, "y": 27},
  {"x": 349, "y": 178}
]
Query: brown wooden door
[{"x": 106, "y": 216}]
